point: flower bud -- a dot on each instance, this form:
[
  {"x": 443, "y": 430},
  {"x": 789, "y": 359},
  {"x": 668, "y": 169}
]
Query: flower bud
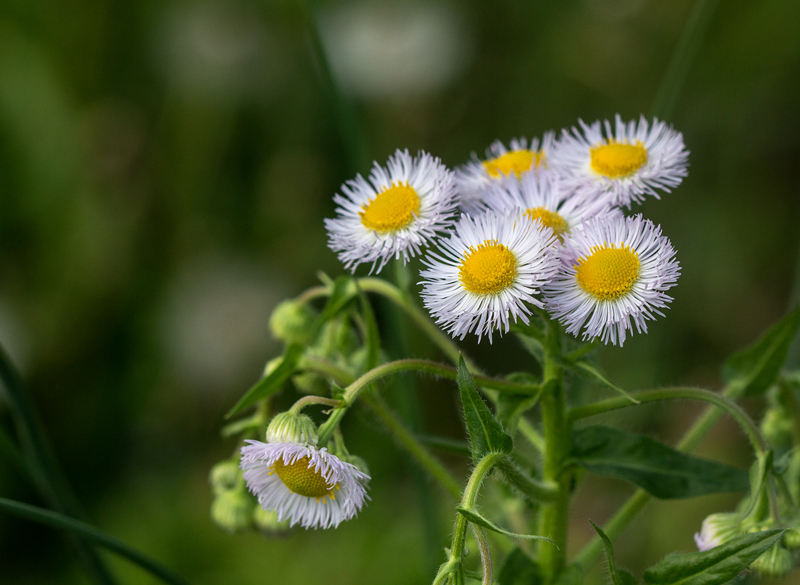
[
  {"x": 232, "y": 510},
  {"x": 266, "y": 521},
  {"x": 287, "y": 427},
  {"x": 777, "y": 426},
  {"x": 310, "y": 383},
  {"x": 224, "y": 475},
  {"x": 291, "y": 322},
  {"x": 716, "y": 529},
  {"x": 776, "y": 562}
]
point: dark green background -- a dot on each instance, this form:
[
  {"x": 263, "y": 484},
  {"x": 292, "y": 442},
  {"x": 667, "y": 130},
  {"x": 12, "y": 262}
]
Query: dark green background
[{"x": 164, "y": 171}]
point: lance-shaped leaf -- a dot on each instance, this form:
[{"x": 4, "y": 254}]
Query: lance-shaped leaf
[
  {"x": 589, "y": 370},
  {"x": 757, "y": 367},
  {"x": 712, "y": 567},
  {"x": 519, "y": 569},
  {"x": 373, "y": 340},
  {"x": 618, "y": 576},
  {"x": 661, "y": 470},
  {"x": 476, "y": 518},
  {"x": 485, "y": 433}
]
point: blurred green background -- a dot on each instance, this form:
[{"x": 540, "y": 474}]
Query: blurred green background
[{"x": 164, "y": 170}]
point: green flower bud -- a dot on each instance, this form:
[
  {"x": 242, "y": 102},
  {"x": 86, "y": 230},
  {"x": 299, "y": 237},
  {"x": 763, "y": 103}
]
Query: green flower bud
[
  {"x": 337, "y": 337},
  {"x": 716, "y": 529},
  {"x": 287, "y": 427},
  {"x": 224, "y": 475},
  {"x": 776, "y": 562},
  {"x": 291, "y": 322},
  {"x": 232, "y": 510},
  {"x": 266, "y": 521},
  {"x": 777, "y": 426}
]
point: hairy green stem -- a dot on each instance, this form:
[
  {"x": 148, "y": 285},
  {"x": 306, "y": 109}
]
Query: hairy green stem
[
  {"x": 553, "y": 514},
  {"x": 483, "y": 467},
  {"x": 748, "y": 426},
  {"x": 310, "y": 400},
  {"x": 91, "y": 534}
]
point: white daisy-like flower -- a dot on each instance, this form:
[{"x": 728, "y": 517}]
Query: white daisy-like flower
[
  {"x": 613, "y": 274},
  {"x": 488, "y": 269},
  {"x": 624, "y": 163},
  {"x": 303, "y": 484},
  {"x": 543, "y": 197},
  {"x": 394, "y": 213},
  {"x": 473, "y": 178},
  {"x": 716, "y": 529}
]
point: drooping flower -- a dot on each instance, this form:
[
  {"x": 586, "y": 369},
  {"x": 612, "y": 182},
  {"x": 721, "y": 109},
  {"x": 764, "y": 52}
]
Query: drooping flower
[
  {"x": 303, "y": 484},
  {"x": 488, "y": 269},
  {"x": 393, "y": 214},
  {"x": 543, "y": 197},
  {"x": 473, "y": 178},
  {"x": 613, "y": 275},
  {"x": 625, "y": 163}
]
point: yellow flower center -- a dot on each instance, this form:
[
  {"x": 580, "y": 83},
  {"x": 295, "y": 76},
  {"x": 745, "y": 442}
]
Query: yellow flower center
[
  {"x": 515, "y": 161},
  {"x": 391, "y": 210},
  {"x": 549, "y": 219},
  {"x": 609, "y": 272},
  {"x": 488, "y": 269},
  {"x": 617, "y": 159},
  {"x": 302, "y": 479}
]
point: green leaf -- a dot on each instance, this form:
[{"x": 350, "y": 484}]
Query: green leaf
[
  {"x": 759, "y": 475},
  {"x": 712, "y": 567},
  {"x": 618, "y": 577},
  {"x": 475, "y": 517},
  {"x": 572, "y": 575},
  {"x": 373, "y": 340},
  {"x": 342, "y": 292},
  {"x": 519, "y": 569},
  {"x": 661, "y": 470},
  {"x": 486, "y": 435},
  {"x": 269, "y": 385},
  {"x": 591, "y": 371},
  {"x": 757, "y": 367}
]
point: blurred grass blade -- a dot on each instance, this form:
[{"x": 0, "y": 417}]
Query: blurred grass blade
[
  {"x": 91, "y": 534},
  {"x": 682, "y": 59},
  {"x": 43, "y": 468}
]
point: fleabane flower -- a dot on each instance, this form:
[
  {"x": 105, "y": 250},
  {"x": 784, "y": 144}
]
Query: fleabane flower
[
  {"x": 543, "y": 197},
  {"x": 613, "y": 275},
  {"x": 516, "y": 160},
  {"x": 394, "y": 213},
  {"x": 303, "y": 484},
  {"x": 488, "y": 269},
  {"x": 626, "y": 163}
]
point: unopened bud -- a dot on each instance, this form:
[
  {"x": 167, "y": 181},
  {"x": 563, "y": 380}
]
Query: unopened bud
[
  {"x": 232, "y": 510},
  {"x": 777, "y": 426},
  {"x": 224, "y": 475},
  {"x": 291, "y": 322},
  {"x": 776, "y": 562},
  {"x": 716, "y": 529},
  {"x": 791, "y": 538},
  {"x": 287, "y": 427}
]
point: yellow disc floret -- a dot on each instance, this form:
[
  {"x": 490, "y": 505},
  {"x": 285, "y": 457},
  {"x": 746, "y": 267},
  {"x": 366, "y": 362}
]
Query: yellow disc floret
[
  {"x": 488, "y": 268},
  {"x": 618, "y": 159},
  {"x": 549, "y": 219},
  {"x": 302, "y": 479},
  {"x": 515, "y": 161},
  {"x": 609, "y": 271},
  {"x": 391, "y": 210}
]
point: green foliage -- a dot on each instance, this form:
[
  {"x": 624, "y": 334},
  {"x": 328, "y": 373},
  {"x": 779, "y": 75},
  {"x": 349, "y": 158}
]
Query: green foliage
[
  {"x": 486, "y": 435},
  {"x": 712, "y": 567},
  {"x": 476, "y": 518},
  {"x": 519, "y": 569},
  {"x": 591, "y": 371},
  {"x": 756, "y": 368},
  {"x": 618, "y": 576},
  {"x": 373, "y": 338},
  {"x": 510, "y": 407},
  {"x": 661, "y": 470}
]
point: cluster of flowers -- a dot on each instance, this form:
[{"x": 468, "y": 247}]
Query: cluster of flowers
[{"x": 537, "y": 224}]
